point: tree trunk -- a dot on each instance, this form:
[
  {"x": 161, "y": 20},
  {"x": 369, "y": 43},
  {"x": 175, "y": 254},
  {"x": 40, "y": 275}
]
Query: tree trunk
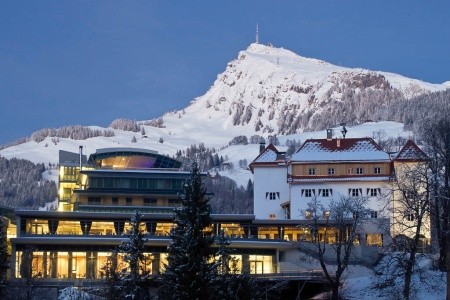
[
  {"x": 335, "y": 291},
  {"x": 408, "y": 274}
]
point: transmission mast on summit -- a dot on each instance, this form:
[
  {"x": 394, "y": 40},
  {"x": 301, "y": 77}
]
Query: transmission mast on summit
[{"x": 257, "y": 33}]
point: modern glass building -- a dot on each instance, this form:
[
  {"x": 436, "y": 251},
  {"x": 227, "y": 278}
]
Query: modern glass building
[{"x": 97, "y": 198}]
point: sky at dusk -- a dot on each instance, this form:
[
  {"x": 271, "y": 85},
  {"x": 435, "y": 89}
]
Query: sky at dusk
[{"x": 90, "y": 62}]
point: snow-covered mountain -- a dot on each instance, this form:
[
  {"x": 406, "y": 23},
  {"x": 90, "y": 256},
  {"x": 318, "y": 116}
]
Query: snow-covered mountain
[
  {"x": 271, "y": 90},
  {"x": 265, "y": 91}
]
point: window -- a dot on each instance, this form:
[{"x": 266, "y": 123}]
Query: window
[
  {"x": 373, "y": 192},
  {"x": 359, "y": 171},
  {"x": 373, "y": 214},
  {"x": 410, "y": 216},
  {"x": 150, "y": 201},
  {"x": 330, "y": 171},
  {"x": 349, "y": 171},
  {"x": 272, "y": 216},
  {"x": 377, "y": 170},
  {"x": 312, "y": 171},
  {"x": 374, "y": 239},
  {"x": 129, "y": 201},
  {"x": 355, "y": 192},
  {"x": 94, "y": 200},
  {"x": 326, "y": 192},
  {"x": 115, "y": 200},
  {"x": 308, "y": 192},
  {"x": 142, "y": 183},
  {"x": 174, "y": 201},
  {"x": 326, "y": 214},
  {"x": 272, "y": 195}
]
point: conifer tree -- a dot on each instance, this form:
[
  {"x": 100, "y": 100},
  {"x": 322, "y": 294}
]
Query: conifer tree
[
  {"x": 188, "y": 271},
  {"x": 133, "y": 281},
  {"x": 228, "y": 281}
]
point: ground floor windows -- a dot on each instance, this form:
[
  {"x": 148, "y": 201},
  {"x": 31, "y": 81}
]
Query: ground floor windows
[
  {"x": 72, "y": 265},
  {"x": 261, "y": 264},
  {"x": 98, "y": 265}
]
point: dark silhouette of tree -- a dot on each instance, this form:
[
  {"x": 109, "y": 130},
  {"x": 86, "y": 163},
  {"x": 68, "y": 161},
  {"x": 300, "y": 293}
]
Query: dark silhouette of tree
[
  {"x": 345, "y": 216},
  {"x": 410, "y": 210},
  {"x": 132, "y": 280},
  {"x": 188, "y": 271}
]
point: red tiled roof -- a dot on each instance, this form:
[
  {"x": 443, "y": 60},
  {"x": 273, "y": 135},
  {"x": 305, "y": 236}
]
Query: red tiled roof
[
  {"x": 270, "y": 156},
  {"x": 411, "y": 152},
  {"x": 351, "y": 149}
]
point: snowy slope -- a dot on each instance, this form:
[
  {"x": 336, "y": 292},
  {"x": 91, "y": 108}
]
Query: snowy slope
[
  {"x": 263, "y": 85},
  {"x": 47, "y": 152}
]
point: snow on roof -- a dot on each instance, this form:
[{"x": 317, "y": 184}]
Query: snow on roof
[
  {"x": 269, "y": 154},
  {"x": 411, "y": 152},
  {"x": 351, "y": 149}
]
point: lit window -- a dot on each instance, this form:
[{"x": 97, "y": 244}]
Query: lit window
[
  {"x": 374, "y": 239},
  {"x": 359, "y": 171},
  {"x": 326, "y": 214},
  {"x": 312, "y": 171},
  {"x": 331, "y": 171},
  {"x": 377, "y": 170}
]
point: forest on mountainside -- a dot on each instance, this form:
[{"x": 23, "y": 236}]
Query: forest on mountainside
[
  {"x": 381, "y": 105},
  {"x": 225, "y": 195},
  {"x": 22, "y": 186}
]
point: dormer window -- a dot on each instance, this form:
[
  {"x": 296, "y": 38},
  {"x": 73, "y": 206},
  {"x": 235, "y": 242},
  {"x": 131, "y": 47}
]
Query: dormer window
[{"x": 312, "y": 171}]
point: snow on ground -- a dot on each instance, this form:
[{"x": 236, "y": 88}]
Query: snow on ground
[
  {"x": 72, "y": 293},
  {"x": 387, "y": 283},
  {"x": 47, "y": 152}
]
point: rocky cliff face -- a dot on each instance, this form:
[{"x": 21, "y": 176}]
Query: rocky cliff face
[{"x": 269, "y": 90}]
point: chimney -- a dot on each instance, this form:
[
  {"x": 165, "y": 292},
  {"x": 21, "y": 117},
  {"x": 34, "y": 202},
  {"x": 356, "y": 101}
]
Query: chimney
[
  {"x": 81, "y": 156},
  {"x": 262, "y": 145},
  {"x": 329, "y": 134}
]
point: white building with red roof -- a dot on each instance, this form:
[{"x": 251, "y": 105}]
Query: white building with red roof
[{"x": 327, "y": 169}]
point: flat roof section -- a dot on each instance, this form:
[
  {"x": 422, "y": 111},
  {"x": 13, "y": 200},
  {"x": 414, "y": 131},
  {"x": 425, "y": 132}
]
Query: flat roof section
[{"x": 131, "y": 158}]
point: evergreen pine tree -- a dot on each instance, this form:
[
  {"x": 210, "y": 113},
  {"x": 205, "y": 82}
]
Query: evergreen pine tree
[
  {"x": 227, "y": 282},
  {"x": 133, "y": 281},
  {"x": 188, "y": 271}
]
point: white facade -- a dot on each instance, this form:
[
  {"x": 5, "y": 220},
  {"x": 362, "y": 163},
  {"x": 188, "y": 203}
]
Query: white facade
[
  {"x": 270, "y": 191},
  {"x": 376, "y": 191}
]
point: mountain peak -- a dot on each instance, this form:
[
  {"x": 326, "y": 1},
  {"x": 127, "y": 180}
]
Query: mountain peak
[
  {"x": 279, "y": 55},
  {"x": 273, "y": 91}
]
